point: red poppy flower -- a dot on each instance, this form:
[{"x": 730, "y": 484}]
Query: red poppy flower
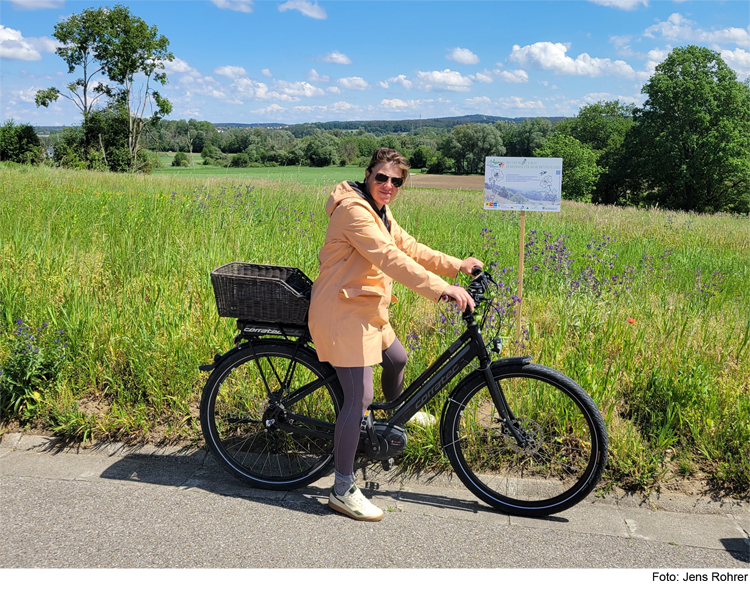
[{"x": 631, "y": 320}]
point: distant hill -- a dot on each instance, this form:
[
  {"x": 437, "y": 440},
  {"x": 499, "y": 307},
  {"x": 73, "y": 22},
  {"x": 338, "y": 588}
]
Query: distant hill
[
  {"x": 387, "y": 126},
  {"x": 378, "y": 127}
]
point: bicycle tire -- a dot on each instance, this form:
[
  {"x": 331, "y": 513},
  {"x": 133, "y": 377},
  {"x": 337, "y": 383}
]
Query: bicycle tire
[
  {"x": 567, "y": 449},
  {"x": 240, "y": 430}
]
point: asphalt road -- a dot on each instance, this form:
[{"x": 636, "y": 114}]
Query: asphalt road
[{"x": 117, "y": 507}]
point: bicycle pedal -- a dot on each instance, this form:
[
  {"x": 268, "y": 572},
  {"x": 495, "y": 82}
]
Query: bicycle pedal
[{"x": 387, "y": 464}]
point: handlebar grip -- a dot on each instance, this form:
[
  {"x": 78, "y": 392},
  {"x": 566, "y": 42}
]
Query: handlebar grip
[{"x": 476, "y": 271}]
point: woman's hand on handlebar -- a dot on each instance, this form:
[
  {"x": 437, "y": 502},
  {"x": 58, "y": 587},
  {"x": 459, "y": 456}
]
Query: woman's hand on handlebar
[
  {"x": 469, "y": 264},
  {"x": 459, "y": 295}
]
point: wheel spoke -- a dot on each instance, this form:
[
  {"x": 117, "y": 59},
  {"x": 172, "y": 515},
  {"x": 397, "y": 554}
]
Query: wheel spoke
[
  {"x": 563, "y": 436},
  {"x": 240, "y": 413}
]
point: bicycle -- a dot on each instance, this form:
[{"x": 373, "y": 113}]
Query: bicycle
[{"x": 522, "y": 437}]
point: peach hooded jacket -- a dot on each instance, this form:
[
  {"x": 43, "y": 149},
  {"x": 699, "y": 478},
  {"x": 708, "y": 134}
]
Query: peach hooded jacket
[{"x": 348, "y": 317}]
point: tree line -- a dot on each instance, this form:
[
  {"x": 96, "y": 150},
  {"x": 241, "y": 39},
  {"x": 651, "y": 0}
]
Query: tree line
[{"x": 687, "y": 148}]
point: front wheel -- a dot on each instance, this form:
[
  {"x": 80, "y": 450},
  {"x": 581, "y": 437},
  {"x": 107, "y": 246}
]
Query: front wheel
[
  {"x": 264, "y": 414},
  {"x": 564, "y": 442}
]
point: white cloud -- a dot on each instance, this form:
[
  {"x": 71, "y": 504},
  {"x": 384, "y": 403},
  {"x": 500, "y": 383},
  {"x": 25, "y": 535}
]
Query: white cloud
[
  {"x": 336, "y": 58},
  {"x": 179, "y": 66},
  {"x": 546, "y": 55},
  {"x": 266, "y": 73},
  {"x": 462, "y": 55},
  {"x": 356, "y": 83},
  {"x": 298, "y": 89},
  {"x": 739, "y": 61},
  {"x": 623, "y": 4},
  {"x": 341, "y": 107},
  {"x": 513, "y": 76},
  {"x": 593, "y": 98},
  {"x": 446, "y": 80},
  {"x": 37, "y": 4},
  {"x": 478, "y": 101},
  {"x": 400, "y": 80},
  {"x": 653, "y": 59},
  {"x": 481, "y": 78},
  {"x": 14, "y": 46},
  {"x": 245, "y": 6},
  {"x": 677, "y": 28},
  {"x": 394, "y": 104},
  {"x": 231, "y": 72},
  {"x": 26, "y": 96},
  {"x": 313, "y": 76},
  {"x": 399, "y": 105},
  {"x": 306, "y": 8},
  {"x": 333, "y": 89},
  {"x": 519, "y": 102}
]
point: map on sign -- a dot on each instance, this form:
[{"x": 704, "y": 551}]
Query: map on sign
[{"x": 522, "y": 184}]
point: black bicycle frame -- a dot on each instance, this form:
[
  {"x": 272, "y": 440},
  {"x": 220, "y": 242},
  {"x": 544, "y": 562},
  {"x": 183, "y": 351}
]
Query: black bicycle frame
[{"x": 447, "y": 366}]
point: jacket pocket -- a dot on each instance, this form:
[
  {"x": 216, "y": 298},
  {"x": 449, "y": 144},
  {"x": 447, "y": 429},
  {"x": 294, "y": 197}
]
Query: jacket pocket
[{"x": 354, "y": 292}]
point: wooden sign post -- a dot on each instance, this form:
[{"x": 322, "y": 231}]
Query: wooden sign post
[
  {"x": 522, "y": 184},
  {"x": 521, "y": 243}
]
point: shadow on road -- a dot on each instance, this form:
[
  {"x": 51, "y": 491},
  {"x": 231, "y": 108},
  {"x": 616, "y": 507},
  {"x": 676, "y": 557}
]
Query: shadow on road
[{"x": 204, "y": 474}]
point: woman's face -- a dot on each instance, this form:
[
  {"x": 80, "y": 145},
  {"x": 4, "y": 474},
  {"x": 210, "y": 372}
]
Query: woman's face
[{"x": 383, "y": 192}]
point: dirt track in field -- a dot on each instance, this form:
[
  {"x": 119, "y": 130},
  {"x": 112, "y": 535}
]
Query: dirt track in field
[{"x": 446, "y": 181}]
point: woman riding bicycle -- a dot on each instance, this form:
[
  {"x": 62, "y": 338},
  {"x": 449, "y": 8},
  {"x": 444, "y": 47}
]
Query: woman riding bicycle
[{"x": 364, "y": 251}]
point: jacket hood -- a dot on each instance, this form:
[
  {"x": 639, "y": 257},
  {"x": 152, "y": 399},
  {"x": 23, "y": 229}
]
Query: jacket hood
[{"x": 345, "y": 190}]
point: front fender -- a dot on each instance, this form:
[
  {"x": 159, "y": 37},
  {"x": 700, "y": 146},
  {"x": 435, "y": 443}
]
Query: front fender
[{"x": 472, "y": 378}]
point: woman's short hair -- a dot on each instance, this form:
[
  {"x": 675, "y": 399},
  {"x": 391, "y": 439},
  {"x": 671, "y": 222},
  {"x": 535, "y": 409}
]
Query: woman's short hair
[{"x": 384, "y": 155}]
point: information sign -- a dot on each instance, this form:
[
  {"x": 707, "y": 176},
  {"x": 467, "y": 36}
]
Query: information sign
[{"x": 522, "y": 184}]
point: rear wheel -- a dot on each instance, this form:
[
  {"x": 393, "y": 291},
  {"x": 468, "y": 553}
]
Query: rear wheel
[
  {"x": 248, "y": 412},
  {"x": 563, "y": 454}
]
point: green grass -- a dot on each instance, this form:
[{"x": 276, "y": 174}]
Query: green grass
[
  {"x": 327, "y": 175},
  {"x": 121, "y": 264}
]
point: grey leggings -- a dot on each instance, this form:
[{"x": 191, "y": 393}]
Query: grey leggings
[{"x": 358, "y": 395}]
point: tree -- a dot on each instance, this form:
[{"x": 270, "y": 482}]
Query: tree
[
  {"x": 580, "y": 171},
  {"x": 522, "y": 139},
  {"x": 180, "y": 160},
  {"x": 689, "y": 146},
  {"x": 601, "y": 125},
  {"x": 320, "y": 149},
  {"x": 20, "y": 143},
  {"x": 79, "y": 37},
  {"x": 469, "y": 144},
  {"x": 120, "y": 46},
  {"x": 129, "y": 47}
]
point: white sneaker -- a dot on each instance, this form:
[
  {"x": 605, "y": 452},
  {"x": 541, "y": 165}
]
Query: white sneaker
[{"x": 355, "y": 505}]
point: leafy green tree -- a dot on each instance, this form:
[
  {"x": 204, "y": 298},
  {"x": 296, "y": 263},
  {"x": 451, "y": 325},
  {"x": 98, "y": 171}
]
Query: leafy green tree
[
  {"x": 601, "y": 126},
  {"x": 580, "y": 171},
  {"x": 79, "y": 36},
  {"x": 129, "y": 48},
  {"x": 20, "y": 143},
  {"x": 422, "y": 157},
  {"x": 320, "y": 149},
  {"x": 239, "y": 160},
  {"x": 180, "y": 160},
  {"x": 522, "y": 139},
  {"x": 469, "y": 144},
  {"x": 120, "y": 46},
  {"x": 689, "y": 146}
]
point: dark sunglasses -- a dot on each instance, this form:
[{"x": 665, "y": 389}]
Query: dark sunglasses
[{"x": 395, "y": 180}]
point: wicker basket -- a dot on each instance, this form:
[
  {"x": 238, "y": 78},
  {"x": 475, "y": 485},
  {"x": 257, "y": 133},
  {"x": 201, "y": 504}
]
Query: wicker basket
[{"x": 262, "y": 293}]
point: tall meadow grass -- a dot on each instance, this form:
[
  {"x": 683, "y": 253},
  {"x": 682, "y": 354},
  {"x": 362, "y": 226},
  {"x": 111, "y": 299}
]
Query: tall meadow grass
[{"x": 648, "y": 310}]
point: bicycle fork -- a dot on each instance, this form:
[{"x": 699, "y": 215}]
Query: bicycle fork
[{"x": 496, "y": 392}]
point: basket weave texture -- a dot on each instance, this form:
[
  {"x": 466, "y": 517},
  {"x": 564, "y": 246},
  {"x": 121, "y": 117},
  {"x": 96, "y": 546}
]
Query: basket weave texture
[{"x": 262, "y": 293}]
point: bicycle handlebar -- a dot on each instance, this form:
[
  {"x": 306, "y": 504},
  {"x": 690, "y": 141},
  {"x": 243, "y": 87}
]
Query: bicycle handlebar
[{"x": 476, "y": 288}]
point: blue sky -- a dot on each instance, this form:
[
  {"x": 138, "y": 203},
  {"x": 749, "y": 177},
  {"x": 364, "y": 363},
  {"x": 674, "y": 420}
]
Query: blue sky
[{"x": 302, "y": 61}]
